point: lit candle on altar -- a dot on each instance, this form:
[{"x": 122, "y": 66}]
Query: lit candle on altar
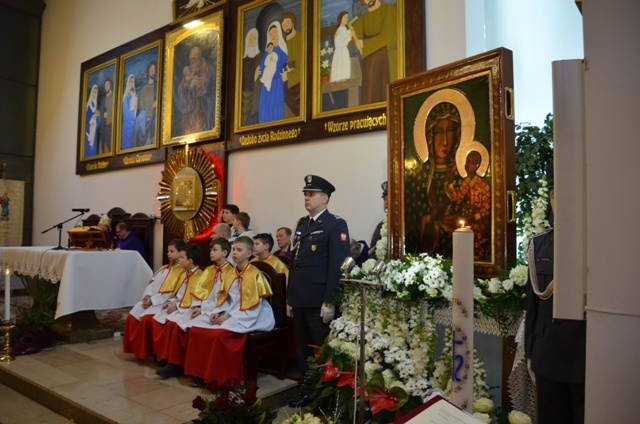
[
  {"x": 462, "y": 319},
  {"x": 7, "y": 290}
]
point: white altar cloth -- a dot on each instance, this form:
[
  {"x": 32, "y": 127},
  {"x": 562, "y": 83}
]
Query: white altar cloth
[{"x": 89, "y": 279}]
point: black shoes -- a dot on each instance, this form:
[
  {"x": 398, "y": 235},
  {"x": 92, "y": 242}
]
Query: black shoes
[
  {"x": 302, "y": 402},
  {"x": 197, "y": 382},
  {"x": 169, "y": 371}
]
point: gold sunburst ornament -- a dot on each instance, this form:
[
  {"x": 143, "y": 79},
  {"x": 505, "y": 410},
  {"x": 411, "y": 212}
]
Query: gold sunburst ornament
[{"x": 189, "y": 192}]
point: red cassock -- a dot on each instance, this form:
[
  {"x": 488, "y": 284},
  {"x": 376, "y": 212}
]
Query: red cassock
[
  {"x": 138, "y": 336},
  {"x": 170, "y": 343},
  {"x": 215, "y": 355}
]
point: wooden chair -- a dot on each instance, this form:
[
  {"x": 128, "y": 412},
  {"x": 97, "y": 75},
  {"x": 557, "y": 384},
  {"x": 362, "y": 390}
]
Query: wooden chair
[
  {"x": 257, "y": 341},
  {"x": 140, "y": 223},
  {"x": 285, "y": 260}
]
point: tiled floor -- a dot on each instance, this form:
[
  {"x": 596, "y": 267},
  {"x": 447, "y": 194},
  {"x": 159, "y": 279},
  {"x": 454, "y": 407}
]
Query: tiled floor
[{"x": 98, "y": 376}]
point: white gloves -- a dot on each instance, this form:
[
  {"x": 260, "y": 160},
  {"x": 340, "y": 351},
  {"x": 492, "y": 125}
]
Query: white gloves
[{"x": 327, "y": 312}]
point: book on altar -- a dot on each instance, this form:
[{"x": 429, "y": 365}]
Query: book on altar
[
  {"x": 438, "y": 410},
  {"x": 89, "y": 238}
]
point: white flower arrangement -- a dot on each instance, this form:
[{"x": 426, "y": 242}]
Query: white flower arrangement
[
  {"x": 399, "y": 328},
  {"x": 381, "y": 245},
  {"x": 400, "y": 340},
  {"x": 536, "y": 222}
]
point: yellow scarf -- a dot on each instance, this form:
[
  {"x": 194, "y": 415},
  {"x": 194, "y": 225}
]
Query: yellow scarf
[
  {"x": 191, "y": 279},
  {"x": 253, "y": 287},
  {"x": 203, "y": 287},
  {"x": 275, "y": 262},
  {"x": 173, "y": 279}
]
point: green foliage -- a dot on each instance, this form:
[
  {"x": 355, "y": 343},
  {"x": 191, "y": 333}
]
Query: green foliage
[
  {"x": 534, "y": 150},
  {"x": 44, "y": 294}
]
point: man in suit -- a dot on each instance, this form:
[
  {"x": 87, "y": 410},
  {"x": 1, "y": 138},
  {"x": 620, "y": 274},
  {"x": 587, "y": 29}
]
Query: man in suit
[
  {"x": 320, "y": 245},
  {"x": 556, "y": 348}
]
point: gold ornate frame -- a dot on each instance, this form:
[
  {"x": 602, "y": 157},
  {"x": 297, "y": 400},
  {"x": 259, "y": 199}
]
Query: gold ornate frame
[
  {"x": 248, "y": 14},
  {"x": 480, "y": 89},
  {"x": 96, "y": 76},
  {"x": 208, "y": 40},
  {"x": 323, "y": 39},
  {"x": 189, "y": 192},
  {"x": 137, "y": 61}
]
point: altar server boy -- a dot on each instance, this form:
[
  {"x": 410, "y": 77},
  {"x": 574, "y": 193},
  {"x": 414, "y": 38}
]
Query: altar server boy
[
  {"x": 216, "y": 340},
  {"x": 174, "y": 336},
  {"x": 138, "y": 333}
]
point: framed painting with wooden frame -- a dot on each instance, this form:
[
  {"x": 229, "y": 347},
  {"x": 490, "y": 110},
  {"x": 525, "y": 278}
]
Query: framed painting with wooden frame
[
  {"x": 138, "y": 123},
  {"x": 358, "y": 49},
  {"x": 192, "y": 82},
  {"x": 97, "y": 105},
  {"x": 451, "y": 158},
  {"x": 270, "y": 64}
]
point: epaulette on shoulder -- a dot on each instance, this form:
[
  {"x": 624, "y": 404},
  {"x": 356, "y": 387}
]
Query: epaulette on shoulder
[
  {"x": 337, "y": 216},
  {"x": 548, "y": 230}
]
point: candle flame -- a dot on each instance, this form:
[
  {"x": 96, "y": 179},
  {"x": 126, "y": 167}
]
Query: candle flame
[
  {"x": 462, "y": 223},
  {"x": 7, "y": 271}
]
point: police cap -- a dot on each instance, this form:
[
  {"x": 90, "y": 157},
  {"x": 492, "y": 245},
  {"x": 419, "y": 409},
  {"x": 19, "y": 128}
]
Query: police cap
[{"x": 316, "y": 183}]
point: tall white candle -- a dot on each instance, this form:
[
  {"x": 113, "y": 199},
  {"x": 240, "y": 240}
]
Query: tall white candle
[
  {"x": 7, "y": 290},
  {"x": 462, "y": 318}
]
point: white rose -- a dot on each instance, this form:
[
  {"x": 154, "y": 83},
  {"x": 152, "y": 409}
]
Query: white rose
[
  {"x": 507, "y": 284},
  {"x": 485, "y": 418},
  {"x": 494, "y": 285},
  {"x": 483, "y": 405},
  {"x": 517, "y": 417}
]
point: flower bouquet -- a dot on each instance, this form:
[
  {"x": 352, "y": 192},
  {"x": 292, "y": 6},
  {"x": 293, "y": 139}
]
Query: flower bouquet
[{"x": 233, "y": 402}]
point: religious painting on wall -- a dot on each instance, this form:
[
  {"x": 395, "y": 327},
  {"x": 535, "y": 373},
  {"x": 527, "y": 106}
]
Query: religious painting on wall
[
  {"x": 451, "y": 144},
  {"x": 138, "y": 99},
  {"x": 271, "y": 64},
  {"x": 112, "y": 135},
  {"x": 192, "y": 82},
  {"x": 358, "y": 49},
  {"x": 96, "y": 118}
]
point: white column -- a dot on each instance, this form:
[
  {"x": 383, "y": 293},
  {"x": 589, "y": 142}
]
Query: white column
[{"x": 569, "y": 272}]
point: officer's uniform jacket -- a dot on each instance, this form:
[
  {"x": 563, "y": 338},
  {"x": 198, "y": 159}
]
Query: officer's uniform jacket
[
  {"x": 556, "y": 347},
  {"x": 317, "y": 254}
]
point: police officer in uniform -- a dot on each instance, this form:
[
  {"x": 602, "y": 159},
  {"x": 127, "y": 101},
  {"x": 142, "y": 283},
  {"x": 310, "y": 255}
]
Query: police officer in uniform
[
  {"x": 320, "y": 245},
  {"x": 555, "y": 347}
]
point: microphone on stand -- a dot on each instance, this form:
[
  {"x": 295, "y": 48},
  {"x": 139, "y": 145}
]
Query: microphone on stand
[{"x": 83, "y": 210}]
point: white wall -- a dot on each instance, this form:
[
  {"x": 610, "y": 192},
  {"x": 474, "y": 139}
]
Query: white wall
[
  {"x": 538, "y": 32},
  {"x": 265, "y": 182}
]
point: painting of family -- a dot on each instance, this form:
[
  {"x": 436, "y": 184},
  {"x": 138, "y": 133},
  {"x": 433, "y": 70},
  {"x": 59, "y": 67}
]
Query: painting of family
[
  {"x": 358, "y": 53},
  {"x": 271, "y": 63},
  {"x": 98, "y": 115},
  {"x": 138, "y": 123}
]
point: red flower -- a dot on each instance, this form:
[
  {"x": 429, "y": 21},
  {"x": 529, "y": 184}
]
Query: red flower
[
  {"x": 228, "y": 386},
  {"x": 331, "y": 372},
  {"x": 381, "y": 400},
  {"x": 250, "y": 396},
  {"x": 222, "y": 402},
  {"x": 347, "y": 379},
  {"x": 199, "y": 403}
]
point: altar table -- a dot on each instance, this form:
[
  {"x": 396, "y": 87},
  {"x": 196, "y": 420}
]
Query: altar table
[{"x": 89, "y": 279}]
